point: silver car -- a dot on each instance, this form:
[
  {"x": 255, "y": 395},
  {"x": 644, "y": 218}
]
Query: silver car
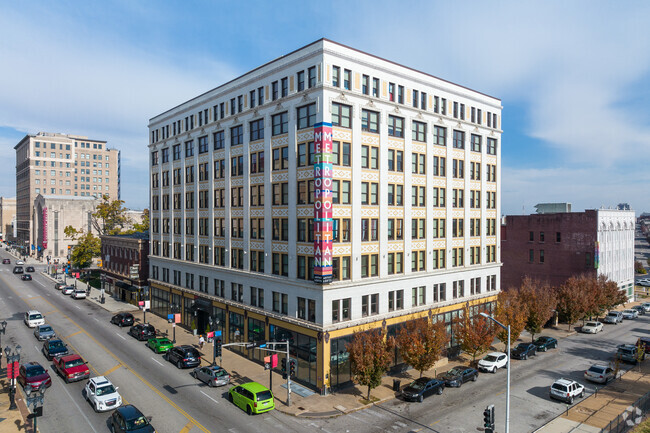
[
  {"x": 614, "y": 317},
  {"x": 630, "y": 314},
  {"x": 212, "y": 375},
  {"x": 599, "y": 373},
  {"x": 67, "y": 290},
  {"x": 44, "y": 332}
]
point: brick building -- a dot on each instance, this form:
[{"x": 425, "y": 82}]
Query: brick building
[{"x": 119, "y": 255}]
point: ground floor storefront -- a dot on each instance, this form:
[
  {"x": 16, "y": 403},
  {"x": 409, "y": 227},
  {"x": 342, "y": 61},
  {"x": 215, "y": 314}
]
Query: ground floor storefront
[{"x": 322, "y": 360}]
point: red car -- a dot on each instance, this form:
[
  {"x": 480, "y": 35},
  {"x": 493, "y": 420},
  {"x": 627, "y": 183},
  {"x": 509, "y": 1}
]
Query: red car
[
  {"x": 71, "y": 367},
  {"x": 33, "y": 375}
]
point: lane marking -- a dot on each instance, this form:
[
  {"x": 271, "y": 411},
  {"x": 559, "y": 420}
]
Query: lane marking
[
  {"x": 188, "y": 427},
  {"x": 435, "y": 422},
  {"x": 109, "y": 371},
  {"x": 72, "y": 335},
  {"x": 120, "y": 335},
  {"x": 51, "y": 312},
  {"x": 81, "y": 411},
  {"x": 209, "y": 397},
  {"x": 77, "y": 307},
  {"x": 155, "y": 360}
]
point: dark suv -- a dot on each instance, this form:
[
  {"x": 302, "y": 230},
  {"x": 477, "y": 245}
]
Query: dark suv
[
  {"x": 184, "y": 356},
  {"x": 122, "y": 319},
  {"x": 143, "y": 331},
  {"x": 18, "y": 270},
  {"x": 129, "y": 419}
]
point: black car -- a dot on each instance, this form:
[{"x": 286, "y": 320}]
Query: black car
[
  {"x": 18, "y": 270},
  {"x": 523, "y": 351},
  {"x": 26, "y": 277},
  {"x": 6, "y": 261},
  {"x": 545, "y": 343},
  {"x": 459, "y": 375},
  {"x": 143, "y": 331},
  {"x": 183, "y": 356},
  {"x": 122, "y": 319},
  {"x": 129, "y": 419},
  {"x": 29, "y": 269},
  {"x": 54, "y": 348},
  {"x": 421, "y": 388}
]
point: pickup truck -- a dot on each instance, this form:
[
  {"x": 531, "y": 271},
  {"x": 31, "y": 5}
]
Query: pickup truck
[{"x": 71, "y": 368}]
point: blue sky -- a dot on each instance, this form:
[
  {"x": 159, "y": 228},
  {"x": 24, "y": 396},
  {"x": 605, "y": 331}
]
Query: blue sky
[{"x": 573, "y": 77}]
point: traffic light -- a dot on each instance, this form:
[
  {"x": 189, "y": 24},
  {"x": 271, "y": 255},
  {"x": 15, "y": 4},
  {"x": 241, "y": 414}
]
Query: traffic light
[
  {"x": 284, "y": 365},
  {"x": 217, "y": 346},
  {"x": 488, "y": 419},
  {"x": 292, "y": 367}
]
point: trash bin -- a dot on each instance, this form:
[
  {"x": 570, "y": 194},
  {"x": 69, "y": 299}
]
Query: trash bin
[{"x": 396, "y": 383}]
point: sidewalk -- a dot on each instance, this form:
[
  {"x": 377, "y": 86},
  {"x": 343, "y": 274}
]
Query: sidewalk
[{"x": 12, "y": 420}]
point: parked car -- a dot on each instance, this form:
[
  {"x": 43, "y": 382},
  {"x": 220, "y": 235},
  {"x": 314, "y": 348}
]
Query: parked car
[
  {"x": 26, "y": 277},
  {"x": 591, "y": 327},
  {"x": 18, "y": 270},
  {"x": 129, "y": 419},
  {"x": 523, "y": 351},
  {"x": 544, "y": 343},
  {"x": 629, "y": 353},
  {"x": 101, "y": 394},
  {"x": 421, "y": 388},
  {"x": 20, "y": 262},
  {"x": 78, "y": 293},
  {"x": 630, "y": 314},
  {"x": 33, "y": 375},
  {"x": 184, "y": 356},
  {"x": 566, "y": 390},
  {"x": 160, "y": 344},
  {"x": 645, "y": 342},
  {"x": 646, "y": 306},
  {"x": 67, "y": 290},
  {"x": 122, "y": 319},
  {"x": 6, "y": 261},
  {"x": 54, "y": 348},
  {"x": 33, "y": 318},
  {"x": 143, "y": 331},
  {"x": 614, "y": 317},
  {"x": 252, "y": 397},
  {"x": 59, "y": 285},
  {"x": 212, "y": 375},
  {"x": 29, "y": 269},
  {"x": 639, "y": 309},
  {"x": 599, "y": 373},
  {"x": 44, "y": 332},
  {"x": 493, "y": 361},
  {"x": 71, "y": 367},
  {"x": 459, "y": 375}
]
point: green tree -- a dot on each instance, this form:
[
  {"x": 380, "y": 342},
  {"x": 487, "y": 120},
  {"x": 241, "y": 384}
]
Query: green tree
[
  {"x": 475, "y": 334},
  {"x": 422, "y": 342},
  {"x": 89, "y": 246},
  {"x": 510, "y": 310},
  {"x": 110, "y": 217},
  {"x": 144, "y": 225},
  {"x": 540, "y": 302},
  {"x": 370, "y": 356}
]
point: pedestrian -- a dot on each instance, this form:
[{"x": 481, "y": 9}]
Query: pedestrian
[{"x": 201, "y": 341}]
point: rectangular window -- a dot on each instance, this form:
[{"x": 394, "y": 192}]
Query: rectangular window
[
  {"x": 419, "y": 131},
  {"x": 459, "y": 139},
  {"x": 341, "y": 115},
  {"x": 257, "y": 130},
  {"x": 285, "y": 86},
  {"x": 311, "y": 76},
  {"x": 341, "y": 153},
  {"x": 336, "y": 76},
  {"x": 236, "y": 135},
  {"x": 476, "y": 143},
  {"x": 347, "y": 79},
  {"x": 365, "y": 84},
  {"x": 369, "y": 121},
  {"x": 306, "y": 116},
  {"x": 395, "y": 126},
  {"x": 300, "y": 78},
  {"x": 491, "y": 146},
  {"x": 375, "y": 87},
  {"x": 280, "y": 123}
]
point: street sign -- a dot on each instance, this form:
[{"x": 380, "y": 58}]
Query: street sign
[
  {"x": 134, "y": 272},
  {"x": 216, "y": 333},
  {"x": 250, "y": 345}
]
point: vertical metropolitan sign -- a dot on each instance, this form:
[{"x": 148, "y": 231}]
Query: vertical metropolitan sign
[
  {"x": 323, "y": 203},
  {"x": 44, "y": 228}
]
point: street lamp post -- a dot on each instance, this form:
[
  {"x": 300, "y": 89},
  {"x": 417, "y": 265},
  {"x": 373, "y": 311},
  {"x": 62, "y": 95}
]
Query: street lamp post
[
  {"x": 13, "y": 357},
  {"x": 2, "y": 331},
  {"x": 34, "y": 397},
  {"x": 174, "y": 307},
  {"x": 507, "y": 369},
  {"x": 103, "y": 277}
]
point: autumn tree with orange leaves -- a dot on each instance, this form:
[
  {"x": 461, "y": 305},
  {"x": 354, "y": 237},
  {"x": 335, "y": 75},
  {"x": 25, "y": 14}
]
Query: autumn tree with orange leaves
[
  {"x": 475, "y": 334},
  {"x": 574, "y": 300},
  {"x": 512, "y": 311},
  {"x": 370, "y": 356},
  {"x": 421, "y": 343},
  {"x": 540, "y": 301}
]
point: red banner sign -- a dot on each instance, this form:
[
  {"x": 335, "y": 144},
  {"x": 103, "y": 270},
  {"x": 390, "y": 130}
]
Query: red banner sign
[{"x": 44, "y": 228}]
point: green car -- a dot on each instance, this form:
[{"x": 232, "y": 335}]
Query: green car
[
  {"x": 160, "y": 344},
  {"x": 252, "y": 397}
]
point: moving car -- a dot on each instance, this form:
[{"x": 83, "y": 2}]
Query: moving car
[
  {"x": 639, "y": 309},
  {"x": 493, "y": 361},
  {"x": 614, "y": 317},
  {"x": 20, "y": 262},
  {"x": 142, "y": 331},
  {"x": 122, "y": 319},
  {"x": 18, "y": 270},
  {"x": 212, "y": 375},
  {"x": 184, "y": 356},
  {"x": 71, "y": 367},
  {"x": 523, "y": 351},
  {"x": 33, "y": 318},
  {"x": 630, "y": 314},
  {"x": 459, "y": 375},
  {"x": 129, "y": 419},
  {"x": 26, "y": 277},
  {"x": 252, "y": 397},
  {"x": 544, "y": 343},
  {"x": 78, "y": 294},
  {"x": 6, "y": 261},
  {"x": 599, "y": 373},
  {"x": 160, "y": 344},
  {"x": 101, "y": 394},
  {"x": 67, "y": 290},
  {"x": 629, "y": 353},
  {"x": 29, "y": 269},
  {"x": 566, "y": 390},
  {"x": 33, "y": 375},
  {"x": 646, "y": 306},
  {"x": 421, "y": 388},
  {"x": 44, "y": 332},
  {"x": 54, "y": 348},
  {"x": 591, "y": 327}
]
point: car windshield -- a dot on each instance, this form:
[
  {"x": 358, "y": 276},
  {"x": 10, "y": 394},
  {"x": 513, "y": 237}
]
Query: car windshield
[
  {"x": 454, "y": 371},
  {"x": 35, "y": 316},
  {"x": 417, "y": 385},
  {"x": 136, "y": 423},
  {"x": 46, "y": 329},
  {"x": 625, "y": 351},
  {"x": 613, "y": 314},
  {"x": 56, "y": 344},
  {"x": 598, "y": 370},
  {"x": 591, "y": 324},
  {"x": 541, "y": 340},
  {"x": 35, "y": 371},
  {"x": 490, "y": 358},
  {"x": 109, "y": 389},
  {"x": 74, "y": 363},
  {"x": 522, "y": 346},
  {"x": 163, "y": 341},
  {"x": 264, "y": 395}
]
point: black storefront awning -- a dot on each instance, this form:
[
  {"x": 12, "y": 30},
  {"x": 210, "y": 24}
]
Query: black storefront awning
[{"x": 126, "y": 286}]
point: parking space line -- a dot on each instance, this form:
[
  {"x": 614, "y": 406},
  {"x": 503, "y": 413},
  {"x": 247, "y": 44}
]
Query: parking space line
[
  {"x": 109, "y": 371},
  {"x": 188, "y": 427},
  {"x": 72, "y": 335},
  {"x": 155, "y": 360},
  {"x": 209, "y": 397},
  {"x": 434, "y": 423},
  {"x": 120, "y": 335}
]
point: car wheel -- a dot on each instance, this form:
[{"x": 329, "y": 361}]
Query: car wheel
[
  {"x": 179, "y": 364},
  {"x": 211, "y": 384},
  {"x": 440, "y": 390},
  {"x": 525, "y": 357},
  {"x": 230, "y": 398},
  {"x": 475, "y": 378},
  {"x": 421, "y": 399},
  {"x": 249, "y": 410},
  {"x": 96, "y": 407},
  {"x": 193, "y": 374},
  {"x": 120, "y": 324},
  {"x": 582, "y": 394},
  {"x": 165, "y": 357},
  {"x": 571, "y": 400},
  {"x": 112, "y": 428}
]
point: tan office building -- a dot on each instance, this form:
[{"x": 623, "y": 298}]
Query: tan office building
[
  {"x": 61, "y": 165},
  {"x": 7, "y": 217}
]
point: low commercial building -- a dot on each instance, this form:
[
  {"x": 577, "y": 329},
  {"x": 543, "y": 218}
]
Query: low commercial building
[{"x": 125, "y": 266}]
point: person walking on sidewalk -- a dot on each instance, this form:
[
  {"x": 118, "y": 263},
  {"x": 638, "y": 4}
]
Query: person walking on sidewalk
[{"x": 201, "y": 341}]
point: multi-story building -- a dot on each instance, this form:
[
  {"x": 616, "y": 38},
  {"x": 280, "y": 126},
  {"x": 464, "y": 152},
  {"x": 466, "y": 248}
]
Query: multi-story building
[
  {"x": 7, "y": 218},
  {"x": 554, "y": 246},
  {"x": 62, "y": 165},
  {"x": 322, "y": 194},
  {"x": 125, "y": 266}
]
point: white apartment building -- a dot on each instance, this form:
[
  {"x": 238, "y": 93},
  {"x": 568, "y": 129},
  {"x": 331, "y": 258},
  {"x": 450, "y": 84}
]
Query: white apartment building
[
  {"x": 615, "y": 247},
  {"x": 321, "y": 194}
]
